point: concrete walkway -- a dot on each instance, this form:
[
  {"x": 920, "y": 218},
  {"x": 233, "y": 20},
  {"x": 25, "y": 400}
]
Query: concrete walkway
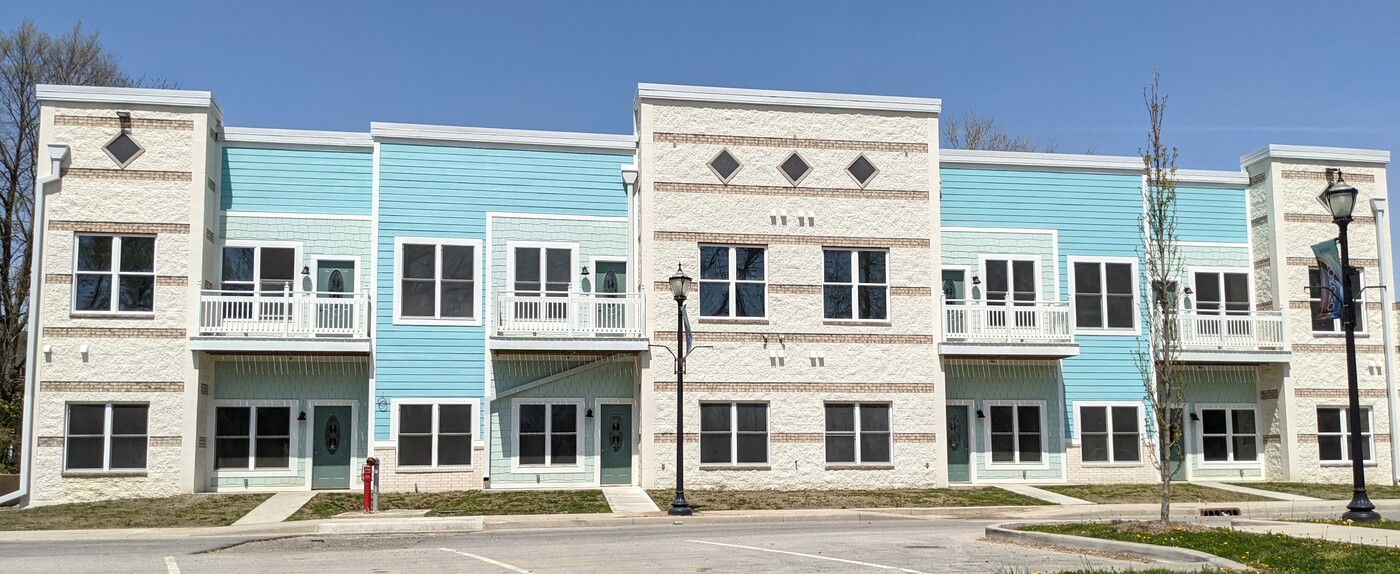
[
  {"x": 1255, "y": 491},
  {"x": 1330, "y": 532},
  {"x": 629, "y": 499},
  {"x": 1041, "y": 494},
  {"x": 276, "y": 509}
]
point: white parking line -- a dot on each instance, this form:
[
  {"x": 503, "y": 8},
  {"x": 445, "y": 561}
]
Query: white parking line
[
  {"x": 171, "y": 566},
  {"x": 486, "y": 560},
  {"x": 775, "y": 551}
]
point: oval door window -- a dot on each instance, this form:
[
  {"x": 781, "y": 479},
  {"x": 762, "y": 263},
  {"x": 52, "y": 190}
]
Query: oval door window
[
  {"x": 955, "y": 424},
  {"x": 337, "y": 282},
  {"x": 332, "y": 434},
  {"x": 615, "y": 433},
  {"x": 610, "y": 282}
]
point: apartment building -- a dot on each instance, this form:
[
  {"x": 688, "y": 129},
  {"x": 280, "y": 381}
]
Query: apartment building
[{"x": 237, "y": 309}]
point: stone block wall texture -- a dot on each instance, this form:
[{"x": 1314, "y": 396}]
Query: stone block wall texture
[
  {"x": 896, "y": 210},
  {"x": 139, "y": 357}
]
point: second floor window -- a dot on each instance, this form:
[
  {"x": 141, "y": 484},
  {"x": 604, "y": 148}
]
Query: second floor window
[
  {"x": 1354, "y": 284},
  {"x": 261, "y": 268},
  {"x": 1104, "y": 297},
  {"x": 115, "y": 274},
  {"x": 732, "y": 281},
  {"x": 436, "y": 280},
  {"x": 855, "y": 285}
]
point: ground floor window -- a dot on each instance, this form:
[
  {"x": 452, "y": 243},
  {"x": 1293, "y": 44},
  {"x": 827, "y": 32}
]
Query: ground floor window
[
  {"x": 1334, "y": 434},
  {"x": 1229, "y": 434},
  {"x": 734, "y": 433},
  {"x": 1016, "y": 433},
  {"x": 254, "y": 437},
  {"x": 109, "y": 436},
  {"x": 858, "y": 433},
  {"x": 434, "y": 434},
  {"x": 1110, "y": 433},
  {"x": 547, "y": 434}
]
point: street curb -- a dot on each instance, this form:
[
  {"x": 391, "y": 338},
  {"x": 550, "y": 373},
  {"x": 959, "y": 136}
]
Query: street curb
[
  {"x": 1259, "y": 522},
  {"x": 412, "y": 525},
  {"x": 611, "y": 520},
  {"x": 1007, "y": 531}
]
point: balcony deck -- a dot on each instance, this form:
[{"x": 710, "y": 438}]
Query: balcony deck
[
  {"x": 244, "y": 321},
  {"x": 1255, "y": 337},
  {"x": 568, "y": 321},
  {"x": 1020, "y": 329}
]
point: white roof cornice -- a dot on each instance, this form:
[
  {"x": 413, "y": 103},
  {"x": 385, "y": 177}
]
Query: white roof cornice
[
  {"x": 136, "y": 96},
  {"x": 1232, "y": 179},
  {"x": 297, "y": 138},
  {"x": 495, "y": 136},
  {"x": 1060, "y": 161},
  {"x": 1317, "y": 154},
  {"x": 782, "y": 98}
]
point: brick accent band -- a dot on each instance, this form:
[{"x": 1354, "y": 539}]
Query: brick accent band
[
  {"x": 860, "y": 339},
  {"x": 1322, "y": 176},
  {"x": 1256, "y": 222},
  {"x": 781, "y": 289},
  {"x": 58, "y": 279},
  {"x": 912, "y": 291},
  {"x": 1257, "y": 178},
  {"x": 164, "y": 441},
  {"x": 117, "y": 227},
  {"x": 665, "y": 286},
  {"x": 111, "y": 387},
  {"x": 162, "y": 280},
  {"x": 853, "y": 193},
  {"x": 114, "y": 333},
  {"x": 788, "y": 387},
  {"x": 1319, "y": 218},
  {"x": 765, "y": 239},
  {"x": 915, "y": 437},
  {"x": 790, "y": 437},
  {"x": 806, "y": 143},
  {"x": 1334, "y": 348},
  {"x": 1268, "y": 395},
  {"x": 1336, "y": 393},
  {"x": 670, "y": 438},
  {"x": 791, "y": 289},
  {"x": 728, "y": 321},
  {"x": 1272, "y": 439},
  {"x": 127, "y": 174},
  {"x": 50, "y": 441},
  {"x": 1310, "y": 261},
  {"x": 115, "y": 122}
]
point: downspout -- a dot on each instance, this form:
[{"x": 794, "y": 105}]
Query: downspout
[
  {"x": 1382, "y": 214},
  {"x": 57, "y": 153}
]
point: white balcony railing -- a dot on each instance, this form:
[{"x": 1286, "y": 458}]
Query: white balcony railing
[
  {"x": 1242, "y": 332},
  {"x": 526, "y": 314},
  {"x": 282, "y": 314},
  {"x": 1000, "y": 322}
]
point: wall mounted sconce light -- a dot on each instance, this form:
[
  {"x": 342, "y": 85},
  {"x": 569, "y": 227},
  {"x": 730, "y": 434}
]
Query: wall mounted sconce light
[
  {"x": 305, "y": 270},
  {"x": 301, "y": 418},
  {"x": 976, "y": 280},
  {"x": 588, "y": 415},
  {"x": 583, "y": 272},
  {"x": 980, "y": 415},
  {"x": 1195, "y": 417}
]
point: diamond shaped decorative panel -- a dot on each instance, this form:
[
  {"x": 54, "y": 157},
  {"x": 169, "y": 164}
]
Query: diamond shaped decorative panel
[
  {"x": 123, "y": 149},
  {"x": 795, "y": 168},
  {"x": 725, "y": 165},
  {"x": 862, "y": 170}
]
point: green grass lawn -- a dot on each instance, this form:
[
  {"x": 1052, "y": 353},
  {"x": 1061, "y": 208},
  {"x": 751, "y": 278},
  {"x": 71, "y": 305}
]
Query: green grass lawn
[
  {"x": 1148, "y": 493},
  {"x": 1267, "y": 552},
  {"x": 1325, "y": 491},
  {"x": 462, "y": 503},
  {"x": 807, "y": 499},
  {"x": 175, "y": 511},
  {"x": 1383, "y": 524}
]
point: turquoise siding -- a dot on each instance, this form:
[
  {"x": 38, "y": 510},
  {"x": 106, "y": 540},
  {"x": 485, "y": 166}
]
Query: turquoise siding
[
  {"x": 318, "y": 237},
  {"x": 965, "y": 248},
  {"x": 606, "y": 381},
  {"x": 1211, "y": 214},
  {"x": 1214, "y": 256},
  {"x": 593, "y": 238},
  {"x": 445, "y": 191},
  {"x": 982, "y": 381},
  {"x": 247, "y": 378},
  {"x": 297, "y": 181},
  {"x": 1223, "y": 385}
]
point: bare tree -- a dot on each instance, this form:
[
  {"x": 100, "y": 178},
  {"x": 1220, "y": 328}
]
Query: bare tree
[
  {"x": 974, "y": 131},
  {"x": 1160, "y": 364},
  {"x": 29, "y": 57}
]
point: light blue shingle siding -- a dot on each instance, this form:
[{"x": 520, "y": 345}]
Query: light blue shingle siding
[{"x": 297, "y": 181}]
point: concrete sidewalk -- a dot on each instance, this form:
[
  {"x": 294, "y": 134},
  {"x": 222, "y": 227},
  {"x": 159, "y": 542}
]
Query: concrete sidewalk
[
  {"x": 277, "y": 509},
  {"x": 1042, "y": 494},
  {"x": 1330, "y": 532},
  {"x": 629, "y": 499},
  {"x": 1254, "y": 491}
]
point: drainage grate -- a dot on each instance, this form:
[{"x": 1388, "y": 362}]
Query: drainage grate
[{"x": 1220, "y": 512}]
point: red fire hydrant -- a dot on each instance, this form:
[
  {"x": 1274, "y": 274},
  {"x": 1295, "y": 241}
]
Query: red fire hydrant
[{"x": 367, "y": 477}]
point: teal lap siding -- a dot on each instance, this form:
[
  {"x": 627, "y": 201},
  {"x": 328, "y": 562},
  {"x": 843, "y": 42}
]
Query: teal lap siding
[{"x": 297, "y": 181}]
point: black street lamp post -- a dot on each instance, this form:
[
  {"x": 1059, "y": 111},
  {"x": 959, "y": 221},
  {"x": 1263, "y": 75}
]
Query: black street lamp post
[
  {"x": 1340, "y": 199},
  {"x": 680, "y": 285}
]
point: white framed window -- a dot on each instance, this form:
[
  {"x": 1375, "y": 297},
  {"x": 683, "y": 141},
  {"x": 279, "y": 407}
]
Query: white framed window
[
  {"x": 265, "y": 267},
  {"x": 733, "y": 281},
  {"x": 733, "y": 433},
  {"x": 253, "y": 436},
  {"x": 105, "y": 436},
  {"x": 1110, "y": 432},
  {"x": 1229, "y": 434},
  {"x": 855, "y": 284},
  {"x": 858, "y": 433},
  {"x": 1105, "y": 291},
  {"x": 436, "y": 281},
  {"x": 114, "y": 274},
  {"x": 548, "y": 435},
  {"x": 1013, "y": 279},
  {"x": 1016, "y": 432},
  {"x": 1334, "y": 435},
  {"x": 1356, "y": 282},
  {"x": 955, "y": 285},
  {"x": 1221, "y": 292},
  {"x": 433, "y": 433}
]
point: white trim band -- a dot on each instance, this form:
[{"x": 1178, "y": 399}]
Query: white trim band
[
  {"x": 525, "y": 138},
  {"x": 314, "y": 138},
  {"x": 135, "y": 96},
  {"x": 1316, "y": 153},
  {"x": 783, "y": 98}
]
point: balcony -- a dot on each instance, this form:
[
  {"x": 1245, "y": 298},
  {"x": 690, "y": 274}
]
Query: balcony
[
  {"x": 1021, "y": 329},
  {"x": 286, "y": 321},
  {"x": 1254, "y": 337},
  {"x": 568, "y": 321}
]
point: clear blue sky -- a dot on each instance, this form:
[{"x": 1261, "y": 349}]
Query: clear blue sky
[{"x": 1239, "y": 74}]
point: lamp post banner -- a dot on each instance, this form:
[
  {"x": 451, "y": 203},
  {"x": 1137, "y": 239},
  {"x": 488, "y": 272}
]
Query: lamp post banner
[{"x": 1329, "y": 284}]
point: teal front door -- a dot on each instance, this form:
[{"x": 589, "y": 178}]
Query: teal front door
[
  {"x": 330, "y": 448},
  {"x": 615, "y": 433},
  {"x": 610, "y": 283},
  {"x": 959, "y": 447}
]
